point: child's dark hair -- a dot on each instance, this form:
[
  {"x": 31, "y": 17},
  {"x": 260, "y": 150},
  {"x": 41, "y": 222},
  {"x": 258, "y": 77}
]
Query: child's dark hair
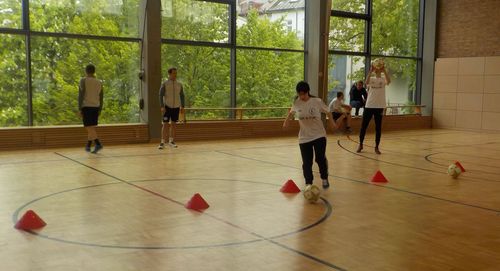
[
  {"x": 340, "y": 94},
  {"x": 171, "y": 70},
  {"x": 90, "y": 69},
  {"x": 302, "y": 86}
]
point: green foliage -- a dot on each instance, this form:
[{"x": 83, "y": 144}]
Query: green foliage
[
  {"x": 10, "y": 13},
  {"x": 357, "y": 6},
  {"x": 13, "y": 88},
  {"x": 267, "y": 78},
  {"x": 58, "y": 63},
  {"x": 394, "y": 33}
]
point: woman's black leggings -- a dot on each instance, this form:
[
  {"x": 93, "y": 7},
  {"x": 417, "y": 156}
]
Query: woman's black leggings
[{"x": 367, "y": 116}]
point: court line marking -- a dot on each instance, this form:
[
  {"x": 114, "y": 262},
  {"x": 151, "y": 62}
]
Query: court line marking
[
  {"x": 475, "y": 179},
  {"x": 306, "y": 255},
  {"x": 100, "y": 156},
  {"x": 377, "y": 185},
  {"x": 15, "y": 216},
  {"x": 428, "y": 159}
]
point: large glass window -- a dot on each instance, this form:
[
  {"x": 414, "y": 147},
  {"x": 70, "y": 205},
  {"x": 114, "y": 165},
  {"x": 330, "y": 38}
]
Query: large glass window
[
  {"x": 90, "y": 17},
  {"x": 195, "y": 20},
  {"x": 395, "y": 27},
  {"x": 394, "y": 37},
  {"x": 347, "y": 34},
  {"x": 13, "y": 82},
  {"x": 265, "y": 74},
  {"x": 271, "y": 24},
  {"x": 10, "y": 13},
  {"x": 267, "y": 79},
  {"x": 59, "y": 63},
  {"x": 343, "y": 72},
  {"x": 205, "y": 75},
  {"x": 402, "y": 89}
]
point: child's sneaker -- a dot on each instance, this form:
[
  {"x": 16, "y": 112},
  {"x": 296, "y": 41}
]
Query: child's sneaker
[
  {"x": 87, "y": 148},
  {"x": 360, "y": 148},
  {"x": 162, "y": 146},
  {"x": 326, "y": 184},
  {"x": 97, "y": 148},
  {"x": 172, "y": 144}
]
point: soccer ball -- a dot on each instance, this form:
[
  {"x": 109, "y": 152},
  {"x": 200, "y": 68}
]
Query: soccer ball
[
  {"x": 454, "y": 171},
  {"x": 378, "y": 63},
  {"x": 312, "y": 193}
]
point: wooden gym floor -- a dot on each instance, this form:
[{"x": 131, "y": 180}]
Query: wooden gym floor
[{"x": 123, "y": 208}]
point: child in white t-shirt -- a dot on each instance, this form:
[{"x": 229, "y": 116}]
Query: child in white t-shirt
[
  {"x": 312, "y": 135},
  {"x": 341, "y": 111}
]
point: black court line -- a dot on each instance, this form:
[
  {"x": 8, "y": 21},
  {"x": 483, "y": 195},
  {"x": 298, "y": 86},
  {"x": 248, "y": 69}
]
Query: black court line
[
  {"x": 377, "y": 185},
  {"x": 407, "y": 139},
  {"x": 210, "y": 215},
  {"x": 475, "y": 179},
  {"x": 162, "y": 153},
  {"x": 15, "y": 217},
  {"x": 428, "y": 159},
  {"x": 101, "y": 156},
  {"x": 385, "y": 150},
  {"x": 476, "y": 146},
  {"x": 473, "y": 156}
]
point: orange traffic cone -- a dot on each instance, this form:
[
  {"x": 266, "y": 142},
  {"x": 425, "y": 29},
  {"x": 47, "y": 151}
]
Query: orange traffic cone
[
  {"x": 197, "y": 203},
  {"x": 290, "y": 187},
  {"x": 460, "y": 166},
  {"x": 30, "y": 221},
  {"x": 379, "y": 177}
]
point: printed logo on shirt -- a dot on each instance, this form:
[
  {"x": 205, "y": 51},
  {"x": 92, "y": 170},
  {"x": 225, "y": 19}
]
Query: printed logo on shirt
[{"x": 313, "y": 111}]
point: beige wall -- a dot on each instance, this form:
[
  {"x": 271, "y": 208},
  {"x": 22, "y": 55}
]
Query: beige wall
[
  {"x": 467, "y": 69},
  {"x": 468, "y": 28},
  {"x": 467, "y": 93}
]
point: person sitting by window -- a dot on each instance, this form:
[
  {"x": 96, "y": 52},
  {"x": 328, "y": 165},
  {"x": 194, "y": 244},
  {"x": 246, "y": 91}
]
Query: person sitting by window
[
  {"x": 358, "y": 96},
  {"x": 341, "y": 111}
]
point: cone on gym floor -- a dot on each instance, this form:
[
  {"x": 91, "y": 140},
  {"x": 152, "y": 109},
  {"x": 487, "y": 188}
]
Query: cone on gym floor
[
  {"x": 197, "y": 203},
  {"x": 290, "y": 187},
  {"x": 379, "y": 177},
  {"x": 30, "y": 221}
]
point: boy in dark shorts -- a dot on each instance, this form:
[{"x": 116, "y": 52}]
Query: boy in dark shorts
[
  {"x": 90, "y": 99},
  {"x": 172, "y": 103}
]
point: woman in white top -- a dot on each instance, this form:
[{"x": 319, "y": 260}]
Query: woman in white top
[
  {"x": 375, "y": 104},
  {"x": 312, "y": 135}
]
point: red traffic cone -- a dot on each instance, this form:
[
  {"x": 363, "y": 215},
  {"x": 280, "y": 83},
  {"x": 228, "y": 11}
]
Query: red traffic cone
[
  {"x": 30, "y": 221},
  {"x": 290, "y": 187},
  {"x": 197, "y": 203},
  {"x": 379, "y": 177},
  {"x": 460, "y": 166}
]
